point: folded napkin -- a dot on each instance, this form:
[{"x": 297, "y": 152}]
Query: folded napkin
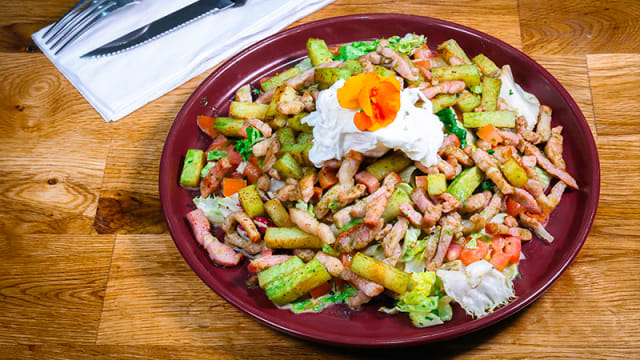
[{"x": 117, "y": 85}]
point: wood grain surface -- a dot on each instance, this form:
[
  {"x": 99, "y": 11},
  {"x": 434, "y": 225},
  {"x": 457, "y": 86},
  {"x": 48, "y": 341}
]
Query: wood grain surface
[{"x": 88, "y": 270}]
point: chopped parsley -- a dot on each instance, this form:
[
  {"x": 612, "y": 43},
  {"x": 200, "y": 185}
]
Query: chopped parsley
[
  {"x": 317, "y": 305},
  {"x": 518, "y": 276},
  {"x": 404, "y": 45},
  {"x": 350, "y": 224},
  {"x": 486, "y": 185},
  {"x": 449, "y": 120},
  {"x": 216, "y": 155},
  {"x": 334, "y": 206},
  {"x": 472, "y": 243},
  {"x": 244, "y": 146},
  {"x": 490, "y": 152},
  {"x": 256, "y": 91},
  {"x": 510, "y": 92}
]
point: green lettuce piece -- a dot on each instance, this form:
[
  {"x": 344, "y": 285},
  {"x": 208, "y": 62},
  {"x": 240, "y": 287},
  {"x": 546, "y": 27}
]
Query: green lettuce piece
[
  {"x": 356, "y": 49},
  {"x": 319, "y": 304},
  {"x": 425, "y": 302},
  {"x": 407, "y": 44}
]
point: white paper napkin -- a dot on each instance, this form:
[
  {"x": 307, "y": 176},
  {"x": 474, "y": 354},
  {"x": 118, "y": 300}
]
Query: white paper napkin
[{"x": 118, "y": 85}]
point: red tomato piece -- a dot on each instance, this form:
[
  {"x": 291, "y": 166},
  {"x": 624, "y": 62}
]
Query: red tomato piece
[
  {"x": 512, "y": 246},
  {"x": 320, "y": 290},
  {"x": 453, "y": 253},
  {"x": 468, "y": 256},
  {"x": 514, "y": 208},
  {"x": 500, "y": 260},
  {"x": 217, "y": 143}
]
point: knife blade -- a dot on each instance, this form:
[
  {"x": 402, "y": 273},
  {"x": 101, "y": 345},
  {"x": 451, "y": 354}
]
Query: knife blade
[{"x": 162, "y": 26}]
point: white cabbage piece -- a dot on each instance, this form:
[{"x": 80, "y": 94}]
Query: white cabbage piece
[
  {"x": 522, "y": 102},
  {"x": 479, "y": 288},
  {"x": 218, "y": 208}
]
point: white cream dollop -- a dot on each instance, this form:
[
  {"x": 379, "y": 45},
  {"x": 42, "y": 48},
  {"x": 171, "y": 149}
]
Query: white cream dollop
[
  {"x": 416, "y": 130},
  {"x": 524, "y": 103}
]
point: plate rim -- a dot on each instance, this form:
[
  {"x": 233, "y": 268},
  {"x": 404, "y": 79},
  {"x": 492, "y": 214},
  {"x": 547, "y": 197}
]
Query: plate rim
[{"x": 477, "y": 324}]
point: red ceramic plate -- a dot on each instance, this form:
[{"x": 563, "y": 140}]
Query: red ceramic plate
[{"x": 569, "y": 223}]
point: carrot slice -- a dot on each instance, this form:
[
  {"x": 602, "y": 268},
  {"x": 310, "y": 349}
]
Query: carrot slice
[
  {"x": 206, "y": 124},
  {"x": 490, "y": 134},
  {"x": 231, "y": 186},
  {"x": 334, "y": 50},
  {"x": 320, "y": 290},
  {"x": 327, "y": 178}
]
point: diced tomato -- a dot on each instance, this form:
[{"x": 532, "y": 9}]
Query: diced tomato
[
  {"x": 320, "y": 290},
  {"x": 327, "y": 178},
  {"x": 421, "y": 182},
  {"x": 490, "y": 134},
  {"x": 243, "y": 130},
  {"x": 231, "y": 186},
  {"x": 206, "y": 124},
  {"x": 252, "y": 172},
  {"x": 453, "y": 253},
  {"x": 219, "y": 142},
  {"x": 424, "y": 64},
  {"x": 422, "y": 53},
  {"x": 514, "y": 208},
  {"x": 468, "y": 256},
  {"x": 497, "y": 244},
  {"x": 345, "y": 258},
  {"x": 335, "y": 50},
  {"x": 254, "y": 160},
  {"x": 512, "y": 246},
  {"x": 500, "y": 260}
]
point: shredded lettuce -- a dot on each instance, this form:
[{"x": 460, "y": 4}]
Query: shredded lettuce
[
  {"x": 218, "y": 208},
  {"x": 405, "y": 45},
  {"x": 305, "y": 207},
  {"x": 216, "y": 155},
  {"x": 350, "y": 224},
  {"x": 411, "y": 245},
  {"x": 425, "y": 302},
  {"x": 356, "y": 49},
  {"x": 479, "y": 288},
  {"x": 244, "y": 146},
  {"x": 206, "y": 168},
  {"x": 327, "y": 249},
  {"x": 318, "y": 304},
  {"x": 448, "y": 118}
]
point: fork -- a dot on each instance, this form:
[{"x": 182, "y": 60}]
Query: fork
[{"x": 80, "y": 18}]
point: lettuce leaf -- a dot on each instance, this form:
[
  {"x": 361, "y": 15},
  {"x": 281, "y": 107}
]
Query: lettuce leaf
[
  {"x": 425, "y": 302},
  {"x": 216, "y": 209},
  {"x": 405, "y": 45}
]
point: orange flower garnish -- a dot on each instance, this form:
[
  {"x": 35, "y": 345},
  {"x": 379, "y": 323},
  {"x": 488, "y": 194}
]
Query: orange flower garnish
[{"x": 378, "y": 98}]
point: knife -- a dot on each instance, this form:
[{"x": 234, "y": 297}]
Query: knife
[{"x": 163, "y": 26}]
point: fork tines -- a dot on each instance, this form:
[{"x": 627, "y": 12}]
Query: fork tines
[{"x": 78, "y": 20}]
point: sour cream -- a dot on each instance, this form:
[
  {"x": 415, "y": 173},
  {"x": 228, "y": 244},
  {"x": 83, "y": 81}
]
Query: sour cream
[
  {"x": 416, "y": 130},
  {"x": 524, "y": 103}
]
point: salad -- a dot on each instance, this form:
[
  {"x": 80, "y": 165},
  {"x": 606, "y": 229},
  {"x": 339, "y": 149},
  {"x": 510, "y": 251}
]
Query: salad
[{"x": 379, "y": 167}]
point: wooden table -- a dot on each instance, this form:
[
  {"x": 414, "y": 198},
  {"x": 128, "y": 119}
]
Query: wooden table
[{"x": 87, "y": 268}]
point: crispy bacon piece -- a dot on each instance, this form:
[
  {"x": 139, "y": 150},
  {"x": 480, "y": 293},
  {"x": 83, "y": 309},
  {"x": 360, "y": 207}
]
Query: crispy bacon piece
[
  {"x": 368, "y": 180},
  {"x": 218, "y": 252},
  {"x": 265, "y": 262}
]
